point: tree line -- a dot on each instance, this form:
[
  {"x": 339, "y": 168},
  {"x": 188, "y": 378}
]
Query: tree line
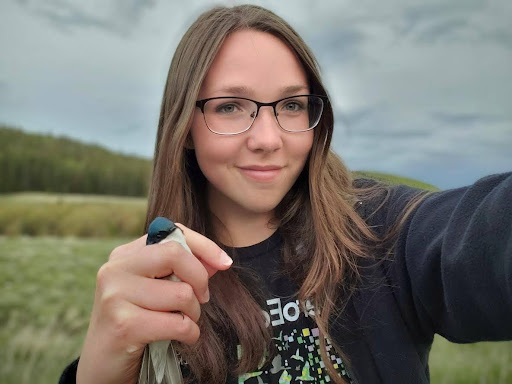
[{"x": 38, "y": 162}]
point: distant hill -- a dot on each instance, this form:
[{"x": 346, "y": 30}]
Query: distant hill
[
  {"x": 45, "y": 163},
  {"x": 37, "y": 162},
  {"x": 393, "y": 179}
]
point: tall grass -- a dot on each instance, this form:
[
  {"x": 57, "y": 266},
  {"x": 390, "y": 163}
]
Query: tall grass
[
  {"x": 482, "y": 363},
  {"x": 40, "y": 214},
  {"x": 47, "y": 294}
]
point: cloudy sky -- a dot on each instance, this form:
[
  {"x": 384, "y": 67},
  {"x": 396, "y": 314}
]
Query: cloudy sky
[{"x": 420, "y": 89}]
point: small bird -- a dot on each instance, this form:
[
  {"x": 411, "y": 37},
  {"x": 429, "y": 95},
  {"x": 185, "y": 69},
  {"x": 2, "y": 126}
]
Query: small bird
[{"x": 160, "y": 363}]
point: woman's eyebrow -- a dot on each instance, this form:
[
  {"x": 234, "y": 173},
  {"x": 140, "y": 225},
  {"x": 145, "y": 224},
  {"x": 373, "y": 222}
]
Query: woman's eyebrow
[
  {"x": 293, "y": 89},
  {"x": 240, "y": 90},
  {"x": 236, "y": 90}
]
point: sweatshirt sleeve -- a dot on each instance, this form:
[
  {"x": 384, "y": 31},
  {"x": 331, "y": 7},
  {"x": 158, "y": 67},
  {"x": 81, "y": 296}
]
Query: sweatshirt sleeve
[
  {"x": 69, "y": 374},
  {"x": 452, "y": 264}
]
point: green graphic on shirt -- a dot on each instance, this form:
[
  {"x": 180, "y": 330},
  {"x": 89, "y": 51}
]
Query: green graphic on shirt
[
  {"x": 305, "y": 374},
  {"x": 297, "y": 356},
  {"x": 246, "y": 376},
  {"x": 285, "y": 378}
]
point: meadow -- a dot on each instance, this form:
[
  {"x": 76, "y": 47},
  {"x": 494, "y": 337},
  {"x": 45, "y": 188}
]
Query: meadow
[
  {"x": 80, "y": 215},
  {"x": 48, "y": 282}
]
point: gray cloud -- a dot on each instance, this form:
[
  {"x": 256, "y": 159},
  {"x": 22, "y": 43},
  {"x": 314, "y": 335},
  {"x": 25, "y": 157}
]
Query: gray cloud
[
  {"x": 378, "y": 122},
  {"x": 335, "y": 46},
  {"x": 501, "y": 37},
  {"x": 116, "y": 16},
  {"x": 443, "y": 29},
  {"x": 4, "y": 92},
  {"x": 466, "y": 119},
  {"x": 417, "y": 15},
  {"x": 463, "y": 21}
]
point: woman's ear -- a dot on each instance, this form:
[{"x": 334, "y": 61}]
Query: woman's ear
[{"x": 189, "y": 143}]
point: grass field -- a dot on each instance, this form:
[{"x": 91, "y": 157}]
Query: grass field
[
  {"x": 47, "y": 292},
  {"x": 393, "y": 179},
  {"x": 48, "y": 214}
]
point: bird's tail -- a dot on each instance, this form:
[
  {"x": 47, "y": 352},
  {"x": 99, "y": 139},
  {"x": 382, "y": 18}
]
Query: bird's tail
[{"x": 160, "y": 365}]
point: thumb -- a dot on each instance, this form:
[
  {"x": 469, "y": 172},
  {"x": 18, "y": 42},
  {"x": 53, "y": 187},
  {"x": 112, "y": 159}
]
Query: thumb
[{"x": 210, "y": 254}]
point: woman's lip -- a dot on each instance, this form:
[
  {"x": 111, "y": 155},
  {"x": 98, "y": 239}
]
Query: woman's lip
[{"x": 263, "y": 175}]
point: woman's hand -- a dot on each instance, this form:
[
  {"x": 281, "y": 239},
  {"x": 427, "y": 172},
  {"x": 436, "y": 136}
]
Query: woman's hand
[{"x": 132, "y": 307}]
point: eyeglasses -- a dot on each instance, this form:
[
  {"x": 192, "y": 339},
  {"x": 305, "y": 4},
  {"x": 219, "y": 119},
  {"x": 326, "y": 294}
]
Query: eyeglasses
[{"x": 234, "y": 115}]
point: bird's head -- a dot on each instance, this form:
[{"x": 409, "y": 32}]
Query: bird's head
[{"x": 159, "y": 229}]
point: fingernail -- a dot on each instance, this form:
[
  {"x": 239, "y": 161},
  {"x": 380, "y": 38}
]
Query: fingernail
[
  {"x": 206, "y": 296},
  {"x": 225, "y": 259}
]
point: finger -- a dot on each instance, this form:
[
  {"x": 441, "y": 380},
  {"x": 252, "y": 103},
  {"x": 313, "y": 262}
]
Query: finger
[
  {"x": 162, "y": 260},
  {"x": 148, "y": 326},
  {"x": 205, "y": 249},
  {"x": 162, "y": 295},
  {"x": 171, "y": 326},
  {"x": 128, "y": 248}
]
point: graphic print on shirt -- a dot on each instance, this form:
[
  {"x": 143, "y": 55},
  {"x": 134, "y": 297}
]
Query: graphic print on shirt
[{"x": 297, "y": 341}]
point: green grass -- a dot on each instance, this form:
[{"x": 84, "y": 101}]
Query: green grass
[
  {"x": 70, "y": 198},
  {"x": 482, "y": 363},
  {"x": 47, "y": 294},
  {"x": 393, "y": 179},
  {"x": 43, "y": 214}
]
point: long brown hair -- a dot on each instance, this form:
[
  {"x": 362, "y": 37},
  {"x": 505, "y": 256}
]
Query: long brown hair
[{"x": 323, "y": 234}]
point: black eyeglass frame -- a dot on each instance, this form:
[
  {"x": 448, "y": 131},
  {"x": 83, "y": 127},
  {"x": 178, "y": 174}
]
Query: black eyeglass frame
[{"x": 201, "y": 103}]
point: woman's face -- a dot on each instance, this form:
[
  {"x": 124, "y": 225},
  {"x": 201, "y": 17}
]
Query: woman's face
[{"x": 251, "y": 172}]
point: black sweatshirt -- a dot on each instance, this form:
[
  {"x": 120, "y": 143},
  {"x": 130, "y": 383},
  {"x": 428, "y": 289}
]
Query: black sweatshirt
[{"x": 450, "y": 273}]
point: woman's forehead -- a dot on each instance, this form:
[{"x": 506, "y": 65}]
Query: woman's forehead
[{"x": 253, "y": 62}]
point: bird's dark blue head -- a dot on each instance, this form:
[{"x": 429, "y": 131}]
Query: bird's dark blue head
[{"x": 159, "y": 229}]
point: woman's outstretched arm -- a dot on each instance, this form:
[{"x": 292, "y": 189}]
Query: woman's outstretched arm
[{"x": 453, "y": 266}]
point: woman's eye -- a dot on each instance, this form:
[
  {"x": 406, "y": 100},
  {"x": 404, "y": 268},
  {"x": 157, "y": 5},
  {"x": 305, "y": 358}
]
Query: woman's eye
[
  {"x": 293, "y": 106},
  {"x": 227, "y": 108}
]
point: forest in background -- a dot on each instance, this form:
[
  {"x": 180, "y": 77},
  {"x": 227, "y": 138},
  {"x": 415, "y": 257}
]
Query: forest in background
[{"x": 37, "y": 162}]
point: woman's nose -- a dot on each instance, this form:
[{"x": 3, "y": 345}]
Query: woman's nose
[{"x": 265, "y": 133}]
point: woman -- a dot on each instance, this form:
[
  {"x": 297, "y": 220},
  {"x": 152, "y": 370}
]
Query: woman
[{"x": 353, "y": 279}]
